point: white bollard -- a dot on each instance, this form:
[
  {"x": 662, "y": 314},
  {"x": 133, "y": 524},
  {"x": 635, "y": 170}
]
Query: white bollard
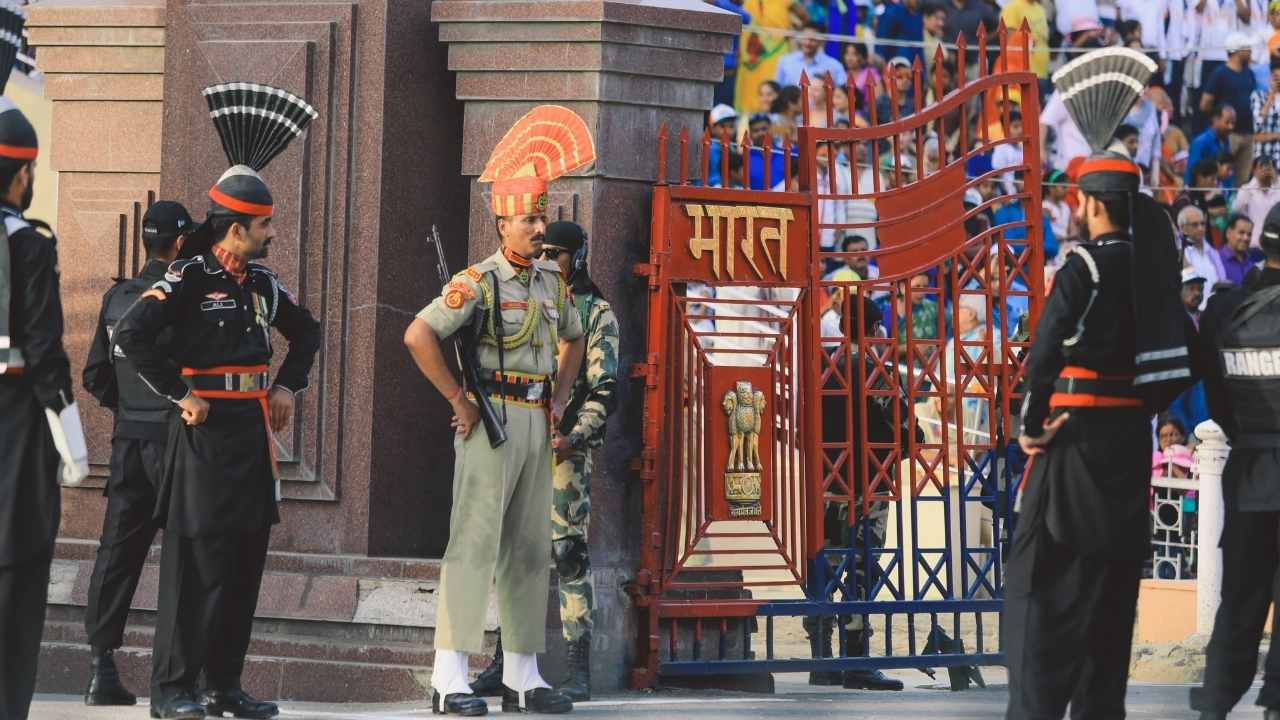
[{"x": 1211, "y": 458}]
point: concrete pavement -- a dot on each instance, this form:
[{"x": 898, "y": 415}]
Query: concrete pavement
[{"x": 924, "y": 698}]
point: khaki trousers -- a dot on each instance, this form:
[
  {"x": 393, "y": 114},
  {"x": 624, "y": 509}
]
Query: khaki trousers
[{"x": 498, "y": 529}]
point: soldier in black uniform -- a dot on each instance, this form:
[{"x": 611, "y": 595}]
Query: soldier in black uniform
[
  {"x": 1110, "y": 350},
  {"x": 38, "y": 419},
  {"x": 219, "y": 491},
  {"x": 1238, "y": 354},
  {"x": 137, "y": 455},
  {"x": 1072, "y": 580}
]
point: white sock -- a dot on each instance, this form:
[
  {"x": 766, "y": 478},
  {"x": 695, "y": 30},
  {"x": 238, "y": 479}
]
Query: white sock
[
  {"x": 520, "y": 671},
  {"x": 449, "y": 673}
]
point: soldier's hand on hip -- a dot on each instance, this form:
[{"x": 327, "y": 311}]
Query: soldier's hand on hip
[
  {"x": 1036, "y": 445},
  {"x": 194, "y": 409},
  {"x": 465, "y": 416},
  {"x": 280, "y": 407}
]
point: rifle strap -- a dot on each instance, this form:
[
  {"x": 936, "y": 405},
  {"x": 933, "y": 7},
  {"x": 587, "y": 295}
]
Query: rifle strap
[{"x": 498, "y": 332}]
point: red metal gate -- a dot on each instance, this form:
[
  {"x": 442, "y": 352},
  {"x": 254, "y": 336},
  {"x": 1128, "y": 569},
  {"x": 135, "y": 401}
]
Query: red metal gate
[{"x": 759, "y": 501}]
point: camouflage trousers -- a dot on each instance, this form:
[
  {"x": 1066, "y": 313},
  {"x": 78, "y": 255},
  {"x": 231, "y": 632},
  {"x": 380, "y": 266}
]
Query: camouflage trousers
[{"x": 571, "y": 515}]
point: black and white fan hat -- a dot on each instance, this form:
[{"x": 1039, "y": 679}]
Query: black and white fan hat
[
  {"x": 255, "y": 123},
  {"x": 17, "y": 136}
]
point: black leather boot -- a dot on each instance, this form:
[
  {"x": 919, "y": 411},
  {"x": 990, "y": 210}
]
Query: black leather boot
[
  {"x": 820, "y": 630},
  {"x": 866, "y": 679},
  {"x": 105, "y": 687},
  {"x": 489, "y": 682},
  {"x": 237, "y": 702},
  {"x": 178, "y": 707},
  {"x": 577, "y": 683},
  {"x": 538, "y": 700},
  {"x": 457, "y": 704}
]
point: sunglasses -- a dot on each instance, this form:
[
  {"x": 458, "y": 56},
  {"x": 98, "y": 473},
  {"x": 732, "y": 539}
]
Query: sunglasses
[{"x": 550, "y": 252}]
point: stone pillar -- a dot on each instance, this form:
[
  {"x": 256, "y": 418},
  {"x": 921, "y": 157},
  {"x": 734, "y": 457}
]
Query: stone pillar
[
  {"x": 1211, "y": 458},
  {"x": 103, "y": 66},
  {"x": 625, "y": 67},
  {"x": 367, "y": 463}
]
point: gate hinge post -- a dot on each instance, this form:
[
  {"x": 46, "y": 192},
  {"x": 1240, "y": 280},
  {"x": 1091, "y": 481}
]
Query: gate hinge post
[
  {"x": 647, "y": 370},
  {"x": 644, "y": 464}
]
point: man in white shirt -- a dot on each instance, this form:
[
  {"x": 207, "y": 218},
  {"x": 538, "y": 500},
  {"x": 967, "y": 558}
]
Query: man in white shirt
[
  {"x": 1071, "y": 10},
  {"x": 1150, "y": 14},
  {"x": 1071, "y": 142},
  {"x": 1196, "y": 253},
  {"x": 1257, "y": 196},
  {"x": 809, "y": 59},
  {"x": 1009, "y": 154},
  {"x": 1216, "y": 19}
]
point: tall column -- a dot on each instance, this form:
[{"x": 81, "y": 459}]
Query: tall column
[{"x": 625, "y": 67}]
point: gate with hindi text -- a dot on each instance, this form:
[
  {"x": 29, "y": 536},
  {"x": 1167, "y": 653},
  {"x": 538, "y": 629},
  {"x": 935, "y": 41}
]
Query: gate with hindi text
[{"x": 806, "y": 464}]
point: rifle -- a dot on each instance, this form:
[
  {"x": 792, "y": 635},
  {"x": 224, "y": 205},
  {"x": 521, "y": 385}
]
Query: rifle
[{"x": 465, "y": 347}]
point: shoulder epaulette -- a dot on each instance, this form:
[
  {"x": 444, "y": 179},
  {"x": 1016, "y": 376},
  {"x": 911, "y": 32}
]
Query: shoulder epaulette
[
  {"x": 1090, "y": 263},
  {"x": 178, "y": 267},
  {"x": 547, "y": 265},
  {"x": 262, "y": 269}
]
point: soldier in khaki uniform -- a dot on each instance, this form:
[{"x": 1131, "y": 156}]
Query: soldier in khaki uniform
[
  {"x": 581, "y": 429},
  {"x": 498, "y": 525}
]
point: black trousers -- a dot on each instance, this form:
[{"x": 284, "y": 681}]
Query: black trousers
[
  {"x": 208, "y": 594},
  {"x": 23, "y": 591},
  {"x": 127, "y": 532},
  {"x": 1067, "y": 637},
  {"x": 1250, "y": 557}
]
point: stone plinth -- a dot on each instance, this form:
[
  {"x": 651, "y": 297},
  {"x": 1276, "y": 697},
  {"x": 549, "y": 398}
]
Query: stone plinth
[{"x": 625, "y": 67}]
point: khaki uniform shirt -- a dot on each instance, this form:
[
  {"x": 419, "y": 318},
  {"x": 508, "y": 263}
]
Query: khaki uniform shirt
[{"x": 535, "y": 317}]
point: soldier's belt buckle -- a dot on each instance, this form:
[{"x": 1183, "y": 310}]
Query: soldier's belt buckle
[
  {"x": 249, "y": 382},
  {"x": 535, "y": 392}
]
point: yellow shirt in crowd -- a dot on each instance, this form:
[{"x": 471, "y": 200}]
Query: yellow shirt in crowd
[{"x": 1033, "y": 12}]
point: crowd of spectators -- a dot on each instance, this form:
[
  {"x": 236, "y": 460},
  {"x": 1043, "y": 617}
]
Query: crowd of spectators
[{"x": 1206, "y": 132}]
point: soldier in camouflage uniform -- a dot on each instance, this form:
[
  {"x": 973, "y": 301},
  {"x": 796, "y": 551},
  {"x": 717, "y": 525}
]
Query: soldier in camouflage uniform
[{"x": 581, "y": 430}]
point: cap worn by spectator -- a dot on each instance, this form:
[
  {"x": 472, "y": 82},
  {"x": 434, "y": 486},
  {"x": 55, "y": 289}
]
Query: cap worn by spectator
[
  {"x": 760, "y": 117},
  {"x": 1191, "y": 275},
  {"x": 1055, "y": 177},
  {"x": 899, "y": 61},
  {"x": 722, "y": 112},
  {"x": 1085, "y": 24},
  {"x": 1237, "y": 41},
  {"x": 166, "y": 219}
]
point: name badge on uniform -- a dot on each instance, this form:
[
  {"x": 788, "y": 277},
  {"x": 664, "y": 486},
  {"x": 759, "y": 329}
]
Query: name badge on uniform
[
  {"x": 211, "y": 305},
  {"x": 1251, "y": 362}
]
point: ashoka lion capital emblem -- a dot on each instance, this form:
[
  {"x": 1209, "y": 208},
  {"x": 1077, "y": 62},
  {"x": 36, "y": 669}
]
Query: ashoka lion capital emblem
[{"x": 744, "y": 408}]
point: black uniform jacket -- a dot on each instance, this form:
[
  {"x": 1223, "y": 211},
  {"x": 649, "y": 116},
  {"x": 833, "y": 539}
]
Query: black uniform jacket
[
  {"x": 218, "y": 476},
  {"x": 1088, "y": 489},
  {"x": 1251, "y": 479},
  {"x": 29, "y": 496},
  {"x": 111, "y": 377}
]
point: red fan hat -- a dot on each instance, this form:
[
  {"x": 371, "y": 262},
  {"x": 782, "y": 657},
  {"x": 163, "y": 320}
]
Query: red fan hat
[{"x": 548, "y": 142}]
